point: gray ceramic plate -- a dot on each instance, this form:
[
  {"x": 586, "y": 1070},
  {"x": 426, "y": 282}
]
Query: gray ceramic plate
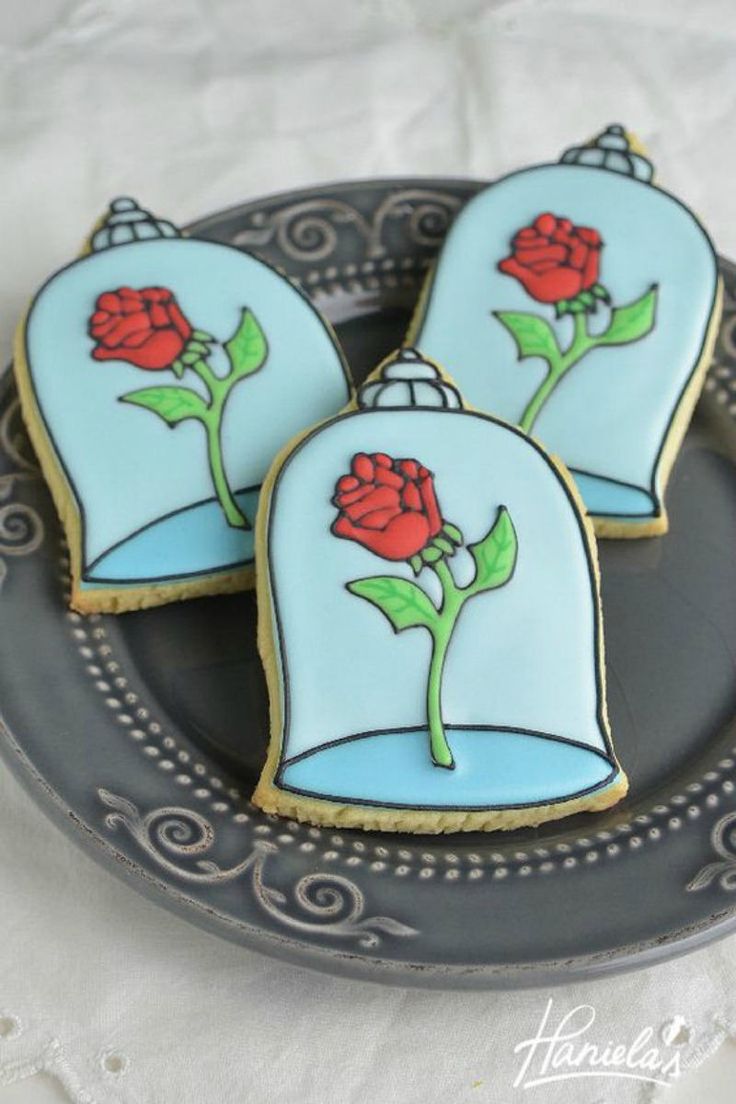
[{"x": 143, "y": 734}]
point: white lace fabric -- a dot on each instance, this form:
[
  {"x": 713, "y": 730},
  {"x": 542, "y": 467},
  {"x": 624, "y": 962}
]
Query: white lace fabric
[{"x": 194, "y": 106}]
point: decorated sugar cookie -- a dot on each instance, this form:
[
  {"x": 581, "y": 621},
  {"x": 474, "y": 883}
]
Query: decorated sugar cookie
[
  {"x": 159, "y": 375},
  {"x": 429, "y": 621},
  {"x": 581, "y": 302}
]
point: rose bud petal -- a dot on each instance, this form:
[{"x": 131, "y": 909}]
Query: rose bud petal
[
  {"x": 346, "y": 498},
  {"x": 559, "y": 270},
  {"x": 409, "y": 468},
  {"x": 363, "y": 467},
  {"x": 394, "y": 513},
  {"x": 590, "y": 237},
  {"x": 410, "y": 497},
  {"x": 431, "y": 508},
  {"x": 158, "y": 316},
  {"x": 578, "y": 255},
  {"x": 378, "y": 519},
  {"x": 109, "y": 301},
  {"x": 545, "y": 224},
  {"x": 131, "y": 325},
  {"x": 388, "y": 478},
  {"x": 378, "y": 498}
]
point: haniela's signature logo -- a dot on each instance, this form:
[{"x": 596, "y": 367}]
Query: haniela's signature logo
[{"x": 559, "y": 1053}]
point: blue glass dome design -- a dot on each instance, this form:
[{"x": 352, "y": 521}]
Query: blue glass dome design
[
  {"x": 523, "y": 692},
  {"x": 144, "y": 493},
  {"x": 614, "y": 411}
]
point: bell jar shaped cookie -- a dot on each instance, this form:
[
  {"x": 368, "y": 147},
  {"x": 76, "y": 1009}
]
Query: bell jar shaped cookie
[
  {"x": 581, "y": 302},
  {"x": 429, "y": 621},
  {"x": 159, "y": 375}
]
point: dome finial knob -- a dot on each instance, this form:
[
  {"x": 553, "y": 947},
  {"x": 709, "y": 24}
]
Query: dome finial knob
[
  {"x": 126, "y": 222},
  {"x": 407, "y": 380},
  {"x": 611, "y": 150}
]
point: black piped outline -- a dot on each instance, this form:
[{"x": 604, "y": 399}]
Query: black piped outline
[
  {"x": 57, "y": 458},
  {"x": 277, "y": 631},
  {"x": 615, "y": 770},
  {"x": 417, "y": 324}
]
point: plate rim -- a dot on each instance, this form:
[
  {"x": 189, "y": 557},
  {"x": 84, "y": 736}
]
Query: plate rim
[{"x": 626, "y": 958}]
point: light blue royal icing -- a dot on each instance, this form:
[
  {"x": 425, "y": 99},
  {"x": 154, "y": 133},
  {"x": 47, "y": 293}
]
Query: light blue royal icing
[
  {"x": 524, "y": 656},
  {"x": 128, "y": 469},
  {"x": 609, "y": 417}
]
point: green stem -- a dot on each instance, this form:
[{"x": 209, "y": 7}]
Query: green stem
[
  {"x": 232, "y": 511},
  {"x": 452, "y": 603},
  {"x": 219, "y": 390},
  {"x": 582, "y": 342}
]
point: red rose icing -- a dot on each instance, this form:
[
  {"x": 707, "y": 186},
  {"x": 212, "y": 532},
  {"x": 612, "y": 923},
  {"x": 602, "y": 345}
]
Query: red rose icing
[
  {"x": 553, "y": 259},
  {"x": 388, "y": 506},
  {"x": 145, "y": 328}
]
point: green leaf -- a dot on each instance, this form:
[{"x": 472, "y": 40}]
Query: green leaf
[
  {"x": 416, "y": 564},
  {"x": 533, "y": 335},
  {"x": 198, "y": 347},
  {"x": 431, "y": 555},
  {"x": 587, "y": 298},
  {"x": 632, "y": 322},
  {"x": 404, "y": 603},
  {"x": 452, "y": 532},
  {"x": 202, "y": 335},
  {"x": 177, "y": 368},
  {"x": 173, "y": 404},
  {"x": 247, "y": 349},
  {"x": 600, "y": 292},
  {"x": 445, "y": 546},
  {"x": 189, "y": 357},
  {"x": 494, "y": 555}
]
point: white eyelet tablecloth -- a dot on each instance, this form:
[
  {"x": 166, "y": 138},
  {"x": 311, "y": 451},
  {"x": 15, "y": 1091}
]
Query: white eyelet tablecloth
[{"x": 194, "y": 105}]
